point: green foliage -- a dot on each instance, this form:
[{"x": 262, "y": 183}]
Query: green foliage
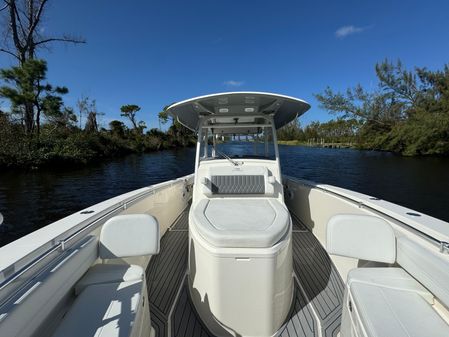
[
  {"x": 408, "y": 112},
  {"x": 29, "y": 95},
  {"x": 118, "y": 128},
  {"x": 88, "y": 108},
  {"x": 180, "y": 135},
  {"x": 59, "y": 139},
  {"x": 129, "y": 111},
  {"x": 25, "y": 81},
  {"x": 60, "y": 145},
  {"x": 164, "y": 116},
  {"x": 334, "y": 131},
  {"x": 291, "y": 131}
]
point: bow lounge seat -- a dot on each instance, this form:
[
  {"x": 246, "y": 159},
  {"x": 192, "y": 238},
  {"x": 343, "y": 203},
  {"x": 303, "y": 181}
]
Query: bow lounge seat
[
  {"x": 388, "y": 301},
  {"x": 111, "y": 298}
]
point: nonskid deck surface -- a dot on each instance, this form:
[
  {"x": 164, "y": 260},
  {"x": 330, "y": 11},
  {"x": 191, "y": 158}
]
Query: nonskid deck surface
[{"x": 317, "y": 304}]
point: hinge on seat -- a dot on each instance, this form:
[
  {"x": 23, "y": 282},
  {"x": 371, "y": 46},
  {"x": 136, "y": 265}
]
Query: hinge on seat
[{"x": 444, "y": 247}]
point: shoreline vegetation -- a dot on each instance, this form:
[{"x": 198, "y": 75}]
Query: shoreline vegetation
[
  {"x": 72, "y": 146},
  {"x": 336, "y": 145},
  {"x": 407, "y": 113},
  {"x": 37, "y": 128}
]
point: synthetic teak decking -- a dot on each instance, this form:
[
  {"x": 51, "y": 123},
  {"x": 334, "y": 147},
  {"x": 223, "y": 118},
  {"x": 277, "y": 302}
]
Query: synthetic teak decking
[{"x": 317, "y": 301}]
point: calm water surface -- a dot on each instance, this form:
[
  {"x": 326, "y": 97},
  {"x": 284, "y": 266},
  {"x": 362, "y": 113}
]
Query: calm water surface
[{"x": 30, "y": 200}]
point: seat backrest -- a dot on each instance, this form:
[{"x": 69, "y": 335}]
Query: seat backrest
[
  {"x": 32, "y": 310},
  {"x": 129, "y": 235},
  {"x": 362, "y": 237},
  {"x": 429, "y": 268},
  {"x": 238, "y": 180}
]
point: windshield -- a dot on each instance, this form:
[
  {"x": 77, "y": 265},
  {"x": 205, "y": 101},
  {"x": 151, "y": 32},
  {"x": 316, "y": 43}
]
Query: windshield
[{"x": 237, "y": 146}]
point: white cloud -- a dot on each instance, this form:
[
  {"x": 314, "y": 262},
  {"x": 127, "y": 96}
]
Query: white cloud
[
  {"x": 344, "y": 31},
  {"x": 233, "y": 83}
]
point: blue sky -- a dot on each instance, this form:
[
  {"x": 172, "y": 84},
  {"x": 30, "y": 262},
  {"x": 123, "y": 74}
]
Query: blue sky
[{"x": 152, "y": 53}]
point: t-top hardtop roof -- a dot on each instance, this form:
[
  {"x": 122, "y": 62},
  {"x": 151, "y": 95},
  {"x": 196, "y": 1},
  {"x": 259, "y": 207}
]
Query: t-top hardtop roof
[{"x": 236, "y": 108}]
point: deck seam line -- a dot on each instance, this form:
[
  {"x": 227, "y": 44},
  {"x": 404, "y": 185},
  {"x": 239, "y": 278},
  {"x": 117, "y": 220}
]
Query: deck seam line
[
  {"x": 174, "y": 223},
  {"x": 170, "y": 313},
  {"x": 177, "y": 218},
  {"x": 297, "y": 219},
  {"x": 309, "y": 303},
  {"x": 317, "y": 275}
]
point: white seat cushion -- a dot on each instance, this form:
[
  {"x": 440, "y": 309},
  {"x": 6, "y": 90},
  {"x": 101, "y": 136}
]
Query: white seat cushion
[
  {"x": 103, "y": 310},
  {"x": 389, "y": 302},
  {"x": 362, "y": 237},
  {"x": 109, "y": 273},
  {"x": 241, "y": 223},
  {"x": 390, "y": 312},
  {"x": 393, "y": 278},
  {"x": 129, "y": 235},
  {"x": 238, "y": 180}
]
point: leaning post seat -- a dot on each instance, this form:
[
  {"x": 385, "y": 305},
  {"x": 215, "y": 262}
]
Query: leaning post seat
[{"x": 240, "y": 258}]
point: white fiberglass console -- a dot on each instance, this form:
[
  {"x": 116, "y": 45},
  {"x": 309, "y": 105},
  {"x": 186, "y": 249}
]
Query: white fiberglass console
[
  {"x": 240, "y": 261},
  {"x": 240, "y": 251}
]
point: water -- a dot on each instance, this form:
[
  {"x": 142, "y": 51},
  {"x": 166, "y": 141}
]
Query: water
[{"x": 30, "y": 200}]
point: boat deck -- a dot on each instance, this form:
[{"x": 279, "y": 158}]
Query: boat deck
[{"x": 317, "y": 305}]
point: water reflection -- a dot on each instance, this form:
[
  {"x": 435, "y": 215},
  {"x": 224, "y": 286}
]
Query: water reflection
[{"x": 30, "y": 200}]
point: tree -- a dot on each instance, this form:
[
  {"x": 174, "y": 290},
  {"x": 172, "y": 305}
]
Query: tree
[
  {"x": 91, "y": 113},
  {"x": 398, "y": 84},
  {"x": 291, "y": 131},
  {"x": 129, "y": 111},
  {"x": 56, "y": 113},
  {"x": 24, "y": 34},
  {"x": 117, "y": 128},
  {"x": 66, "y": 118},
  {"x": 141, "y": 126},
  {"x": 83, "y": 109},
  {"x": 356, "y": 103},
  {"x": 163, "y": 116},
  {"x": 396, "y": 97},
  {"x": 27, "y": 89},
  {"x": 87, "y": 107},
  {"x": 180, "y": 134},
  {"x": 407, "y": 113}
]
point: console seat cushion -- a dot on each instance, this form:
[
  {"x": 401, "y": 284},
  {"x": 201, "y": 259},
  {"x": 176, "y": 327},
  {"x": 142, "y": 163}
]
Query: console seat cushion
[
  {"x": 389, "y": 302},
  {"x": 109, "y": 273},
  {"x": 241, "y": 223},
  {"x": 238, "y": 180},
  {"x": 103, "y": 310}
]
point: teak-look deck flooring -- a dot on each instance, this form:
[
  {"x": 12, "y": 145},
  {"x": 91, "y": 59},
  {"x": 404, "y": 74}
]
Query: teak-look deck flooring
[{"x": 318, "y": 296}]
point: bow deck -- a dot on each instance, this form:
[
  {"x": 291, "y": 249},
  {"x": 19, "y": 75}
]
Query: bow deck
[{"x": 318, "y": 292}]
